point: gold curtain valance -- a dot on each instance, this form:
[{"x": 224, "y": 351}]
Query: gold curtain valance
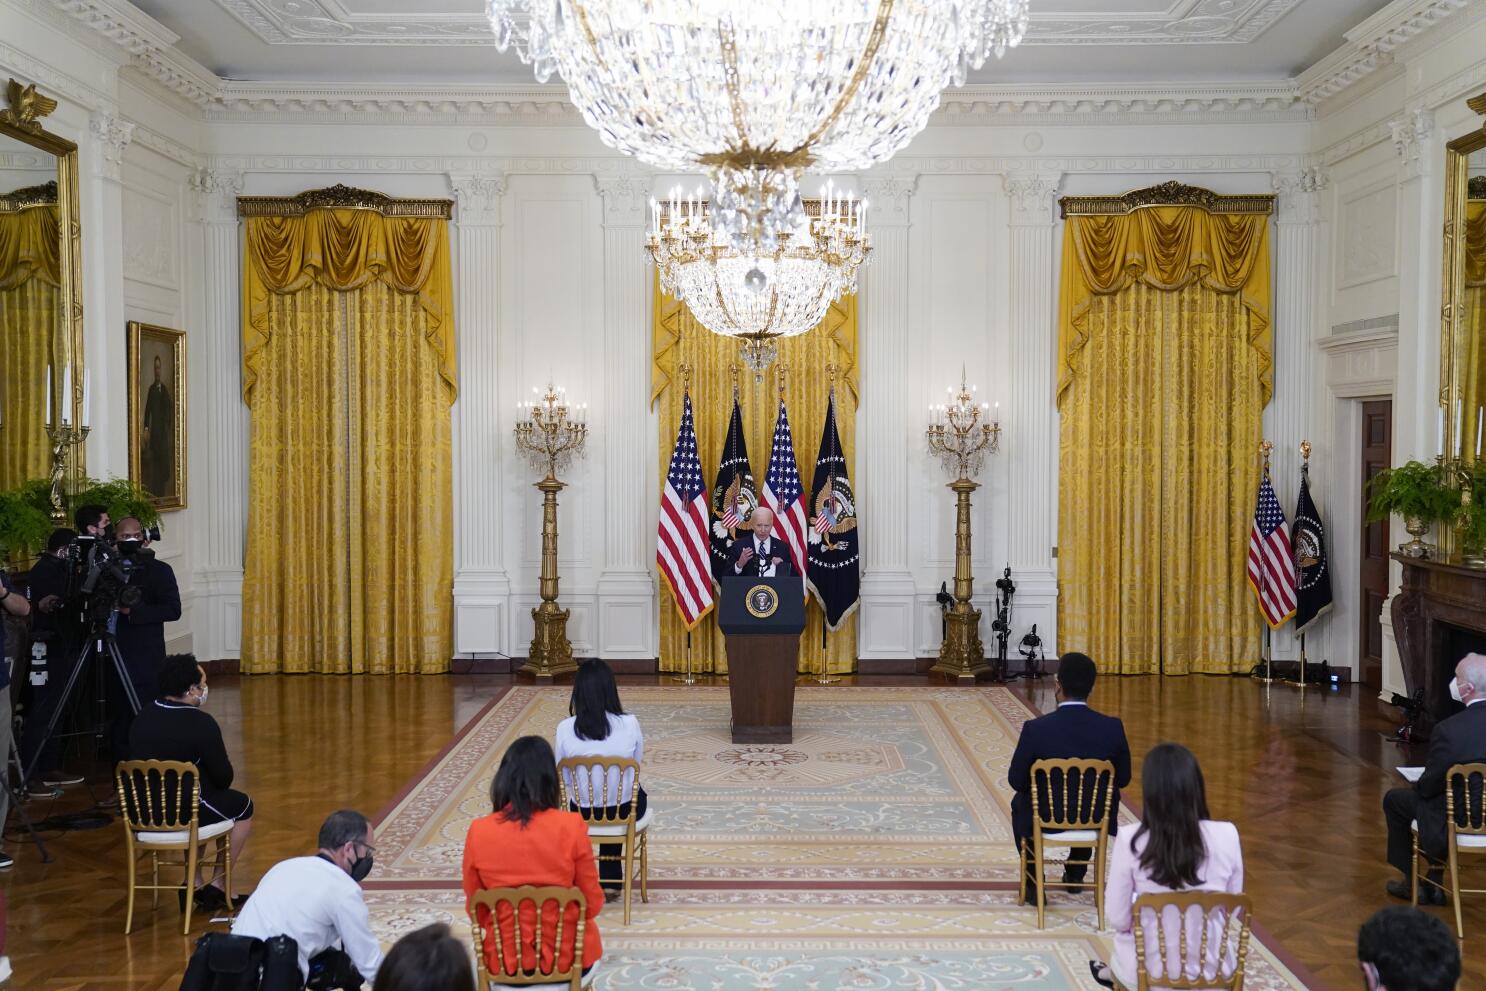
[
  {"x": 344, "y": 249},
  {"x": 1166, "y": 248},
  {"x": 30, "y": 246}
]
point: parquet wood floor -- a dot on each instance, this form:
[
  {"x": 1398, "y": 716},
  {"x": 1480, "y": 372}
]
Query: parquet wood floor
[{"x": 1302, "y": 776}]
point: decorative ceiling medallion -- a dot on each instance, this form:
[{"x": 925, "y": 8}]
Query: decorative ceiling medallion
[
  {"x": 29, "y": 196},
  {"x": 1171, "y": 193},
  {"x": 339, "y": 197}
]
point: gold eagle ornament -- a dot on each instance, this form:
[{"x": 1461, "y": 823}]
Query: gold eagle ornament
[{"x": 27, "y": 106}]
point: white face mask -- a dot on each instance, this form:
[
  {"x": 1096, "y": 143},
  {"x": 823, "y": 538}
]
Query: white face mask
[
  {"x": 202, "y": 699},
  {"x": 1455, "y": 689}
]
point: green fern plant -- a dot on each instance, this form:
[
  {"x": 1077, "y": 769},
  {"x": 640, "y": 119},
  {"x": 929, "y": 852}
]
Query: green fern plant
[
  {"x": 23, "y": 527},
  {"x": 1413, "y": 489}
]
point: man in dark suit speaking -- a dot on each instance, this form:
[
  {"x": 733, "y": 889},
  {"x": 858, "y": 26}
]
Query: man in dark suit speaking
[
  {"x": 1461, "y": 739},
  {"x": 1071, "y": 730},
  {"x": 760, "y": 554}
]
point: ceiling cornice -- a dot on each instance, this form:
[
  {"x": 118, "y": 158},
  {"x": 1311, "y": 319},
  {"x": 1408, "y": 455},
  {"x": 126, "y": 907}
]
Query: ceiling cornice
[
  {"x": 151, "y": 47},
  {"x": 1370, "y": 45}
]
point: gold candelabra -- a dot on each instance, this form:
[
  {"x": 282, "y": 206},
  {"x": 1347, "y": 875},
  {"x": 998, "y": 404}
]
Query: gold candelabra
[
  {"x": 550, "y": 434},
  {"x": 64, "y": 437},
  {"x": 958, "y": 435}
]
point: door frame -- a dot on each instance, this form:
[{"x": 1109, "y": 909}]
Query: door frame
[{"x": 1344, "y": 528}]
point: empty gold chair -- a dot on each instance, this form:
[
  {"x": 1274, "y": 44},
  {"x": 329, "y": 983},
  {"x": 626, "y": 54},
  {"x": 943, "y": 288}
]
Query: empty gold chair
[
  {"x": 160, "y": 804},
  {"x": 1213, "y": 961},
  {"x": 1465, "y": 822},
  {"x": 489, "y": 935},
  {"x": 1071, "y": 808},
  {"x": 599, "y": 782}
]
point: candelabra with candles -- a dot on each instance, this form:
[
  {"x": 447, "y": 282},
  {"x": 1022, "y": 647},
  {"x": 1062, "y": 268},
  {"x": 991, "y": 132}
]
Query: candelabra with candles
[
  {"x": 962, "y": 432},
  {"x": 551, "y": 434},
  {"x": 64, "y": 436}
]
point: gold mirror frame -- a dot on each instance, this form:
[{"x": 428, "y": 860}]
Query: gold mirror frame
[
  {"x": 21, "y": 120},
  {"x": 1452, "y": 312}
]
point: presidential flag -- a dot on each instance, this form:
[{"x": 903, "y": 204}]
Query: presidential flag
[
  {"x": 734, "y": 494},
  {"x": 1313, "y": 574},
  {"x": 681, "y": 543},
  {"x": 834, "y": 571},
  {"x": 1271, "y": 561},
  {"x": 783, "y": 493}
]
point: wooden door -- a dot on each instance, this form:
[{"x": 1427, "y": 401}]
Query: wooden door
[{"x": 1377, "y": 445}]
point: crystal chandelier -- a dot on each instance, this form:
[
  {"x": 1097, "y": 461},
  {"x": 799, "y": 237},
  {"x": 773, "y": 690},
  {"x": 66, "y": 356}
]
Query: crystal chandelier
[
  {"x": 759, "y": 299},
  {"x": 754, "y": 92}
]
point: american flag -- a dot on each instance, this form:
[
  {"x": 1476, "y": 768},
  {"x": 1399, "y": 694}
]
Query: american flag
[
  {"x": 681, "y": 543},
  {"x": 1271, "y": 560},
  {"x": 782, "y": 492}
]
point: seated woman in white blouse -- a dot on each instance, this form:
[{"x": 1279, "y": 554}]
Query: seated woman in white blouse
[{"x": 599, "y": 727}]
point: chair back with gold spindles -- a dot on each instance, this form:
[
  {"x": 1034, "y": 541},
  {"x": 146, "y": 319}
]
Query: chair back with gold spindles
[
  {"x": 497, "y": 924},
  {"x": 596, "y": 785},
  {"x": 1072, "y": 793},
  {"x": 1214, "y": 961},
  {"x": 159, "y": 796},
  {"x": 1465, "y": 803}
]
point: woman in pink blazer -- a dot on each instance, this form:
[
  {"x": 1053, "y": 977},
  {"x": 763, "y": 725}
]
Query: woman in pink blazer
[{"x": 1176, "y": 848}]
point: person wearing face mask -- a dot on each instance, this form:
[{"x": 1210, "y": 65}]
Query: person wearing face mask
[
  {"x": 317, "y": 902},
  {"x": 139, "y": 630},
  {"x": 174, "y": 727},
  {"x": 1461, "y": 739}
]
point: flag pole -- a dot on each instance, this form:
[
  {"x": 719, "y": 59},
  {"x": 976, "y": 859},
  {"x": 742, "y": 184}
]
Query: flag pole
[
  {"x": 1305, "y": 468},
  {"x": 688, "y": 678},
  {"x": 825, "y": 677}
]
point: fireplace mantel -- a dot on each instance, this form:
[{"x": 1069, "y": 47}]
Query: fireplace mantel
[{"x": 1436, "y": 600}]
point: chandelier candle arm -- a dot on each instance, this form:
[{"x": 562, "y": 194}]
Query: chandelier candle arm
[{"x": 550, "y": 435}]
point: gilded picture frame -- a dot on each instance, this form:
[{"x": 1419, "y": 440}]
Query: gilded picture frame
[{"x": 157, "y": 413}]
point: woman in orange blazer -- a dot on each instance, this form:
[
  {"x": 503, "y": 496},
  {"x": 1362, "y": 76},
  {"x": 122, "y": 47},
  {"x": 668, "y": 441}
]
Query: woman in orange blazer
[{"x": 527, "y": 839}]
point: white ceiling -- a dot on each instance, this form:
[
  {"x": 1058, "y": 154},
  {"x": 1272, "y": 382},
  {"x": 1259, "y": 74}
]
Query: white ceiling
[{"x": 449, "y": 41}]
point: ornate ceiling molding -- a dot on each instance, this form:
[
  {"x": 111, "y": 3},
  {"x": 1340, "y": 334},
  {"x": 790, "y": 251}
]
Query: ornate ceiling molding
[
  {"x": 1371, "y": 45},
  {"x": 1181, "y": 22}
]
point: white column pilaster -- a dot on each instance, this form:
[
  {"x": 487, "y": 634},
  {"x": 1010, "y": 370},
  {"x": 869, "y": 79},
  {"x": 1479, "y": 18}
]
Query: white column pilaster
[
  {"x": 1294, "y": 413},
  {"x": 1029, "y": 442},
  {"x": 482, "y": 587},
  {"x": 627, "y": 618},
  {"x": 103, "y": 292},
  {"x": 885, "y": 425},
  {"x": 1416, "y": 392},
  {"x": 219, "y": 485}
]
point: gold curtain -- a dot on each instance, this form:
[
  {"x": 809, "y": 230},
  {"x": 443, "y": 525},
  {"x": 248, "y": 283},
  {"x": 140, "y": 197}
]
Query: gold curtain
[
  {"x": 678, "y": 340},
  {"x": 1472, "y": 357},
  {"x": 348, "y": 369},
  {"x": 31, "y": 339},
  {"x": 1164, "y": 371}
]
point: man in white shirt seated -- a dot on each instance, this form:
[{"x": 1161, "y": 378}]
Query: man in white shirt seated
[
  {"x": 760, "y": 554},
  {"x": 317, "y": 902}
]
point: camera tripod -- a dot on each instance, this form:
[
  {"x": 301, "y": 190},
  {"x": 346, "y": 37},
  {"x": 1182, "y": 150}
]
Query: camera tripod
[
  {"x": 1001, "y": 626},
  {"x": 101, "y": 641}
]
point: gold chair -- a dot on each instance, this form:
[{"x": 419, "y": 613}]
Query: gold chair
[
  {"x": 160, "y": 805},
  {"x": 1467, "y": 834},
  {"x": 1225, "y": 923},
  {"x": 605, "y": 777},
  {"x": 1077, "y": 815},
  {"x": 492, "y": 899}
]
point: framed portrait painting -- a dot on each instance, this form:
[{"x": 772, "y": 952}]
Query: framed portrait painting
[{"x": 157, "y": 413}]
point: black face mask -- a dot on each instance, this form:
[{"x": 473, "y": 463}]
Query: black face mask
[
  {"x": 360, "y": 868},
  {"x": 129, "y": 548}
]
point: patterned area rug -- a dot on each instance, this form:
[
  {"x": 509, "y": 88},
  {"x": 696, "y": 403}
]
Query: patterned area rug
[{"x": 873, "y": 852}]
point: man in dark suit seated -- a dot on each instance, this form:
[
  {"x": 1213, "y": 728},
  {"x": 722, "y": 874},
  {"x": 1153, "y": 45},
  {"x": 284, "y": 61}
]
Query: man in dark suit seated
[
  {"x": 1461, "y": 739},
  {"x": 1071, "y": 730},
  {"x": 760, "y": 554}
]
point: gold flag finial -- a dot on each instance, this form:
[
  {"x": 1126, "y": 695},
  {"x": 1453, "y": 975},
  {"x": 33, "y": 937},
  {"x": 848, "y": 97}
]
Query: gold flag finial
[
  {"x": 1305, "y": 451},
  {"x": 733, "y": 370},
  {"x": 783, "y": 376},
  {"x": 685, "y": 370}
]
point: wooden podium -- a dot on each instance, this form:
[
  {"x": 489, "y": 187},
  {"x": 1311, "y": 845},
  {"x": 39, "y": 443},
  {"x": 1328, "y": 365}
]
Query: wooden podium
[{"x": 762, "y": 619}]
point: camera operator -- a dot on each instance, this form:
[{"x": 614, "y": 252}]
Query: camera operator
[
  {"x": 61, "y": 631},
  {"x": 13, "y": 604},
  {"x": 139, "y": 627},
  {"x": 91, "y": 521}
]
